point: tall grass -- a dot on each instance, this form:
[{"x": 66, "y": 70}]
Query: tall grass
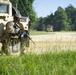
[
  {"x": 62, "y": 63},
  {"x": 54, "y": 56},
  {"x": 53, "y": 46},
  {"x": 54, "y": 42}
]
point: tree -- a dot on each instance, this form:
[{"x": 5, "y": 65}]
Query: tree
[
  {"x": 61, "y": 20},
  {"x": 71, "y": 12},
  {"x": 40, "y": 24},
  {"x": 49, "y": 20},
  {"x": 14, "y": 2},
  {"x": 26, "y": 9}
]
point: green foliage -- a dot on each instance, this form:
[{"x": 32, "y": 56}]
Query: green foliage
[
  {"x": 26, "y": 9},
  {"x": 71, "y": 12},
  {"x": 14, "y": 2},
  {"x": 62, "y": 63},
  {"x": 61, "y": 20},
  {"x": 40, "y": 24}
]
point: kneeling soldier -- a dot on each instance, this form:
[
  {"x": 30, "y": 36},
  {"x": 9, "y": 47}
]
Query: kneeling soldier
[{"x": 12, "y": 42}]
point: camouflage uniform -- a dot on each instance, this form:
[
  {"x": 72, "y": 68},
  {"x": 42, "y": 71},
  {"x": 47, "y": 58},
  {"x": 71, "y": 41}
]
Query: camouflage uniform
[
  {"x": 22, "y": 40},
  {"x": 6, "y": 43},
  {"x": 11, "y": 42}
]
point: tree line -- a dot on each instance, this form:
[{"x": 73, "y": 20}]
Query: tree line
[{"x": 61, "y": 20}]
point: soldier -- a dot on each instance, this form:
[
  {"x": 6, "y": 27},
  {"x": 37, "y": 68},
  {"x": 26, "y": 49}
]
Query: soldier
[
  {"x": 21, "y": 39},
  {"x": 12, "y": 43}
]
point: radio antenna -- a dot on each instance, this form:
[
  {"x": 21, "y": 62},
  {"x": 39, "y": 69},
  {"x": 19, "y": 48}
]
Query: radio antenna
[{"x": 24, "y": 7}]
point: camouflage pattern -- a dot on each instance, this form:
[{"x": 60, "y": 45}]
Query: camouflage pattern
[
  {"x": 12, "y": 44},
  {"x": 6, "y": 44},
  {"x": 23, "y": 44}
]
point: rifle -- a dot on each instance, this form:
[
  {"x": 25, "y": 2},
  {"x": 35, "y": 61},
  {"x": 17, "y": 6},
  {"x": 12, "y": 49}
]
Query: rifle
[{"x": 22, "y": 32}]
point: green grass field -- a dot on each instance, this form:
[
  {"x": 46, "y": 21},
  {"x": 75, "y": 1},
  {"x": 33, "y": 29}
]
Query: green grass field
[
  {"x": 59, "y": 59},
  {"x": 62, "y": 63},
  {"x": 33, "y": 32}
]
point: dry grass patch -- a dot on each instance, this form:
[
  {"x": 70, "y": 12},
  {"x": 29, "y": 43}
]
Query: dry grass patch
[{"x": 53, "y": 46}]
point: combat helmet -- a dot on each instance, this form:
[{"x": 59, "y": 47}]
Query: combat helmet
[{"x": 17, "y": 16}]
